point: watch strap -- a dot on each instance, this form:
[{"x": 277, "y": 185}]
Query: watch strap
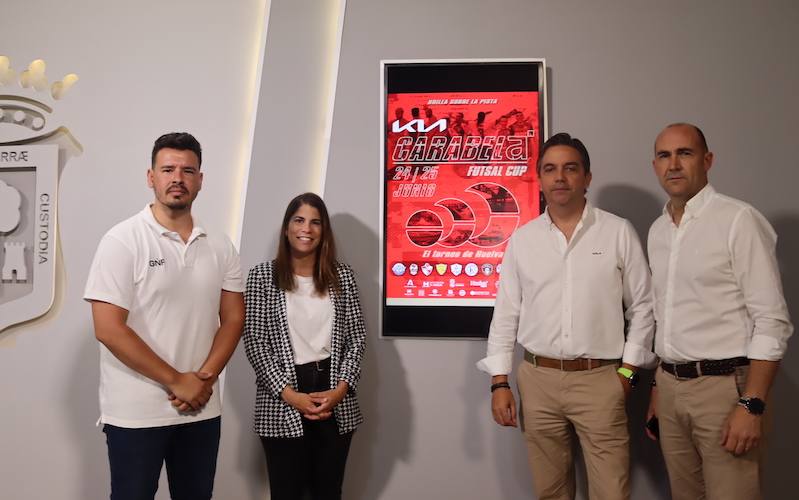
[{"x": 500, "y": 385}]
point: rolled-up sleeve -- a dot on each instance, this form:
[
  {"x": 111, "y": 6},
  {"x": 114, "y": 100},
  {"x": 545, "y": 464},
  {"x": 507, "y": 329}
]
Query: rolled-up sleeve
[
  {"x": 753, "y": 244},
  {"x": 505, "y": 321},
  {"x": 638, "y": 300}
]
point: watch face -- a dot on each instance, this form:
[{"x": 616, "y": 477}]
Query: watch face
[{"x": 755, "y": 406}]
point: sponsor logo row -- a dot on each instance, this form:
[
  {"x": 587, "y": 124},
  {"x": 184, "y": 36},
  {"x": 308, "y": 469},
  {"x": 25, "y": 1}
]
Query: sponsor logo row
[
  {"x": 455, "y": 269},
  {"x": 449, "y": 293}
]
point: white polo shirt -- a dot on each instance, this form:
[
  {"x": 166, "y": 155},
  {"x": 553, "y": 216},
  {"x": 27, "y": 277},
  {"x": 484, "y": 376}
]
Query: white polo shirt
[{"x": 172, "y": 291}]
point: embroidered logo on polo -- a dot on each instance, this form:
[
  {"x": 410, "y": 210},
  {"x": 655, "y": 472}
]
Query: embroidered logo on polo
[
  {"x": 157, "y": 262},
  {"x": 35, "y": 146}
]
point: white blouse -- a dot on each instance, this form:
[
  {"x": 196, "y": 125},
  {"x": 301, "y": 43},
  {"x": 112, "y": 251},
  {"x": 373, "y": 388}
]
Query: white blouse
[{"x": 310, "y": 318}]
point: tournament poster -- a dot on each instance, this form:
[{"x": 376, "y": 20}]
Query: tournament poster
[{"x": 460, "y": 179}]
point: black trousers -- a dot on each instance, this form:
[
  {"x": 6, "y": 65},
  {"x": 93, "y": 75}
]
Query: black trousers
[{"x": 314, "y": 463}]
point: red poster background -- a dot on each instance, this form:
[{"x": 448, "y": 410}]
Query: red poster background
[{"x": 460, "y": 178}]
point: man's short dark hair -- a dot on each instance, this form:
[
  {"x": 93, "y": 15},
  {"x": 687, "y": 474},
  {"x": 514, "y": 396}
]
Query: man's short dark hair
[
  {"x": 564, "y": 139},
  {"x": 181, "y": 141}
]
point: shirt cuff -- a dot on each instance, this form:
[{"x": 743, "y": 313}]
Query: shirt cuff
[
  {"x": 766, "y": 348},
  {"x": 351, "y": 379},
  {"x": 276, "y": 385},
  {"x": 498, "y": 364},
  {"x": 636, "y": 355}
]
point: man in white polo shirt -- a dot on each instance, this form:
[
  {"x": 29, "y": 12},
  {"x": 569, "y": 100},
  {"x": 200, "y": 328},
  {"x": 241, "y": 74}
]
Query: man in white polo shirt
[
  {"x": 168, "y": 311},
  {"x": 722, "y": 325},
  {"x": 570, "y": 279}
]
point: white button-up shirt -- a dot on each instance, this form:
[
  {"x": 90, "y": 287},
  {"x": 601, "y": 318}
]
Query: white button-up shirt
[
  {"x": 568, "y": 300},
  {"x": 717, "y": 285}
]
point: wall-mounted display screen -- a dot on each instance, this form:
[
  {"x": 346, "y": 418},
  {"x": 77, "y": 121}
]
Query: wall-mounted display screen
[{"x": 460, "y": 145}]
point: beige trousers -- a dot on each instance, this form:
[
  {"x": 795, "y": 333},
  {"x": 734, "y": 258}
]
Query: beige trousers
[
  {"x": 692, "y": 413},
  {"x": 555, "y": 406}
]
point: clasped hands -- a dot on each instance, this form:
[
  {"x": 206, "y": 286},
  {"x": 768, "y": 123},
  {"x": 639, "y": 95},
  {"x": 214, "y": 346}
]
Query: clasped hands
[
  {"x": 315, "y": 405},
  {"x": 191, "y": 390}
]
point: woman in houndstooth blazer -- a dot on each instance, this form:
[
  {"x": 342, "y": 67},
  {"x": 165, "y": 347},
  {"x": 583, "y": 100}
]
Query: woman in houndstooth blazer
[{"x": 304, "y": 335}]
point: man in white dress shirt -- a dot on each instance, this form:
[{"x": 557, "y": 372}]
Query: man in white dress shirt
[
  {"x": 722, "y": 325},
  {"x": 570, "y": 279}
]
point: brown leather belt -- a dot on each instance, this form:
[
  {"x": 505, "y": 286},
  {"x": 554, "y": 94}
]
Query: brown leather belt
[{"x": 568, "y": 365}]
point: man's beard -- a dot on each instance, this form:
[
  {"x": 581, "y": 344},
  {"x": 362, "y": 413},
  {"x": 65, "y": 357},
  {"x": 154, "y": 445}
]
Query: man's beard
[
  {"x": 178, "y": 205},
  {"x": 183, "y": 203}
]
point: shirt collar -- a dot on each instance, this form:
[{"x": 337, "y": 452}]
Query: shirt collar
[
  {"x": 586, "y": 218},
  {"x": 149, "y": 218},
  {"x": 695, "y": 205}
]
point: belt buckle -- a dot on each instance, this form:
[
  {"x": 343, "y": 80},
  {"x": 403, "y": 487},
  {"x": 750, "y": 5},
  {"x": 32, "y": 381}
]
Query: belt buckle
[
  {"x": 561, "y": 364},
  {"x": 319, "y": 366},
  {"x": 682, "y": 377}
]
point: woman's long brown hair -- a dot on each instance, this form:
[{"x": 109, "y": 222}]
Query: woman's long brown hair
[{"x": 325, "y": 276}]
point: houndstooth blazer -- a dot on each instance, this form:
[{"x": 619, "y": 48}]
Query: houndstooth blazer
[{"x": 268, "y": 347}]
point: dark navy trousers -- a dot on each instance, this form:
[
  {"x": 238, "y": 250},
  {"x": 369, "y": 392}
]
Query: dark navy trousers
[{"x": 137, "y": 455}]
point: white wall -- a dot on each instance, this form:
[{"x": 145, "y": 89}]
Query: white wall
[
  {"x": 619, "y": 71},
  {"x": 145, "y": 68}
]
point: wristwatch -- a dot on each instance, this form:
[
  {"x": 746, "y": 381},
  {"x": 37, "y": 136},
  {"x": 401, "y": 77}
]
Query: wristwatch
[
  {"x": 755, "y": 406},
  {"x": 500, "y": 385},
  {"x": 631, "y": 376}
]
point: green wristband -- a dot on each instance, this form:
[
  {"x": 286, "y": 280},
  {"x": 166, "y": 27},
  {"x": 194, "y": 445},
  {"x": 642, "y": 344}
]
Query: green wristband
[{"x": 625, "y": 372}]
